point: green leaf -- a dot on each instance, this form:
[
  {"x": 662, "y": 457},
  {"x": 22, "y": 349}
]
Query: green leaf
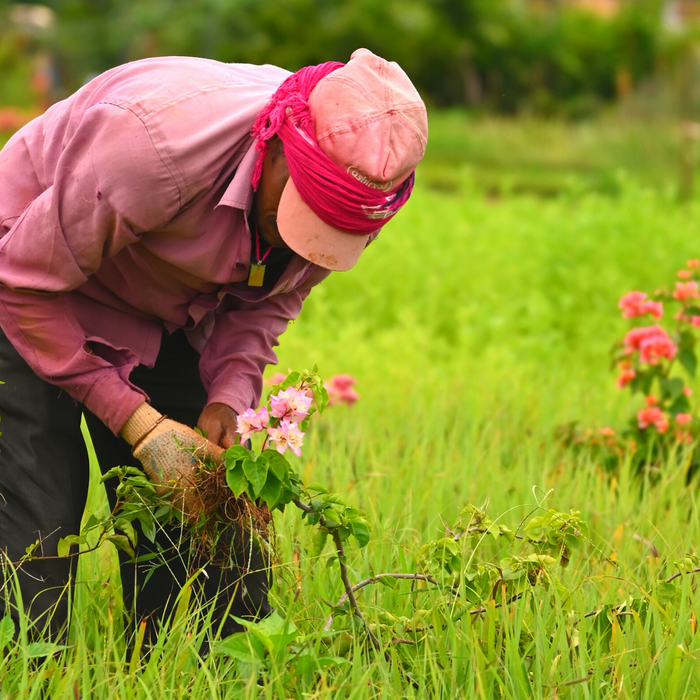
[
  {"x": 278, "y": 464},
  {"x": 7, "y": 631},
  {"x": 36, "y": 650},
  {"x": 318, "y": 541},
  {"x": 236, "y": 480},
  {"x": 666, "y": 592},
  {"x": 271, "y": 491},
  {"x": 121, "y": 542},
  {"x": 162, "y": 511},
  {"x": 235, "y": 454},
  {"x": 671, "y": 388},
  {"x": 687, "y": 340},
  {"x": 317, "y": 504},
  {"x": 119, "y": 472},
  {"x": 687, "y": 358},
  {"x": 361, "y": 532},
  {"x": 292, "y": 378},
  {"x": 387, "y": 581},
  {"x": 241, "y": 646},
  {"x": 92, "y": 522},
  {"x": 148, "y": 527},
  {"x": 320, "y": 396},
  {"x": 680, "y": 405},
  {"x": 256, "y": 472},
  {"x": 128, "y": 529},
  {"x": 332, "y": 517},
  {"x": 65, "y": 544},
  {"x": 318, "y": 488}
]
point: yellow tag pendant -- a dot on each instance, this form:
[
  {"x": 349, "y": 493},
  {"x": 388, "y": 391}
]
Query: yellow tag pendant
[{"x": 256, "y": 275}]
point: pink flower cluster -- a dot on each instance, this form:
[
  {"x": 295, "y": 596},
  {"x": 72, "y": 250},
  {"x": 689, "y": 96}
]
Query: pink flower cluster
[
  {"x": 627, "y": 373},
  {"x": 288, "y": 407},
  {"x": 686, "y": 290},
  {"x": 251, "y": 421},
  {"x": 636, "y": 304},
  {"x": 290, "y": 404},
  {"x": 652, "y": 343},
  {"x": 653, "y": 415},
  {"x": 287, "y": 435},
  {"x": 340, "y": 389}
]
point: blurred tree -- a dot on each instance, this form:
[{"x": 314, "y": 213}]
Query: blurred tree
[{"x": 507, "y": 55}]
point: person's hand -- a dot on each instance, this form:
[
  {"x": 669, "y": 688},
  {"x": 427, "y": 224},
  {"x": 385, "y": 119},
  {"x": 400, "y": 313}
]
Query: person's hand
[
  {"x": 170, "y": 453},
  {"x": 218, "y": 422}
]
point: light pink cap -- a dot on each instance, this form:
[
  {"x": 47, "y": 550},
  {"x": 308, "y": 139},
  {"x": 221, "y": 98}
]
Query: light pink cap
[{"x": 370, "y": 120}]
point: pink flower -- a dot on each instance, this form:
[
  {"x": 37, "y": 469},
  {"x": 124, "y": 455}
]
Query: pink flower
[
  {"x": 652, "y": 342},
  {"x": 655, "y": 308},
  {"x": 695, "y": 321},
  {"x": 251, "y": 421},
  {"x": 636, "y": 304},
  {"x": 607, "y": 431},
  {"x": 652, "y": 350},
  {"x": 687, "y": 391},
  {"x": 686, "y": 290},
  {"x": 626, "y": 376},
  {"x": 340, "y": 389},
  {"x": 652, "y": 416},
  {"x": 276, "y": 378},
  {"x": 287, "y": 435},
  {"x": 693, "y": 263},
  {"x": 683, "y": 418},
  {"x": 684, "y": 274},
  {"x": 290, "y": 404},
  {"x": 662, "y": 425},
  {"x": 684, "y": 436}
]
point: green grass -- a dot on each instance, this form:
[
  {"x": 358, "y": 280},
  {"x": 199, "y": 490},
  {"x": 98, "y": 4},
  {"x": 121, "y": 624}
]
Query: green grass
[
  {"x": 547, "y": 157},
  {"x": 474, "y": 325}
]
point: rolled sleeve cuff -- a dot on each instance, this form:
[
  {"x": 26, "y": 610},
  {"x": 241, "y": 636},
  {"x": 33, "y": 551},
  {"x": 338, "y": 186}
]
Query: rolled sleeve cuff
[
  {"x": 113, "y": 400},
  {"x": 236, "y": 394}
]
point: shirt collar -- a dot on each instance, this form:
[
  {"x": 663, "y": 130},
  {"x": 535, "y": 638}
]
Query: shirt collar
[{"x": 239, "y": 193}]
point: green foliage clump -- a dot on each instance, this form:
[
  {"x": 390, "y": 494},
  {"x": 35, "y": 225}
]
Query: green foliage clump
[{"x": 502, "y": 55}]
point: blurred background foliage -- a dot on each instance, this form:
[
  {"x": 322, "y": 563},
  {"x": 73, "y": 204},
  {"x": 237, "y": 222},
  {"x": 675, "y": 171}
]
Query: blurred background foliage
[{"x": 509, "y": 56}]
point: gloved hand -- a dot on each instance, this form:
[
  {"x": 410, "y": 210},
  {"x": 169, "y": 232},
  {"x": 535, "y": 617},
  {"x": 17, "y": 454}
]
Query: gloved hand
[{"x": 164, "y": 448}]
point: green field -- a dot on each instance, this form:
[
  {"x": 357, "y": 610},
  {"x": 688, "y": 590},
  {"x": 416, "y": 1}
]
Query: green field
[{"x": 478, "y": 322}]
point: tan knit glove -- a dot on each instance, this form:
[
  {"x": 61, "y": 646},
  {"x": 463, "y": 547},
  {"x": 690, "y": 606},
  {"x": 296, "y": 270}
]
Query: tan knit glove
[{"x": 164, "y": 448}]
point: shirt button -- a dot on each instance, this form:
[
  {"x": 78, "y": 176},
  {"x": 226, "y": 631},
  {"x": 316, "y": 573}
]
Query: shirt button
[{"x": 240, "y": 266}]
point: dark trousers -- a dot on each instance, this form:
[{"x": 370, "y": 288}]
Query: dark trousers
[{"x": 44, "y": 473}]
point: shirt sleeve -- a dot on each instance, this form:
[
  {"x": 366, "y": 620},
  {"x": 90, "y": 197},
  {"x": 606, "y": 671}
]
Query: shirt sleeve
[
  {"x": 242, "y": 342},
  {"x": 110, "y": 186}
]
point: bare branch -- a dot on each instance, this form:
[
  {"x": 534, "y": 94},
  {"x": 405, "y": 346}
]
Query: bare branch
[{"x": 680, "y": 573}]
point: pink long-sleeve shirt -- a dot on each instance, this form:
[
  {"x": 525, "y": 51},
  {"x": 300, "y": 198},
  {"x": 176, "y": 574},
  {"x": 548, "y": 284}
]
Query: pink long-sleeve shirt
[{"x": 123, "y": 211}]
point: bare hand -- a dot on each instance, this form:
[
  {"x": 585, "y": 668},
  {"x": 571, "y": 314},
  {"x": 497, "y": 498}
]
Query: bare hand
[{"x": 218, "y": 421}]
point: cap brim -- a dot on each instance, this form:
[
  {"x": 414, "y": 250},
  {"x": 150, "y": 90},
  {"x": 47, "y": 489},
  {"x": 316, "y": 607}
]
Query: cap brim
[{"x": 312, "y": 238}]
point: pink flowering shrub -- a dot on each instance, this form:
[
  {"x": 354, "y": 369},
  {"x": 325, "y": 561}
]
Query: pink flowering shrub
[
  {"x": 340, "y": 388},
  {"x": 654, "y": 360}
]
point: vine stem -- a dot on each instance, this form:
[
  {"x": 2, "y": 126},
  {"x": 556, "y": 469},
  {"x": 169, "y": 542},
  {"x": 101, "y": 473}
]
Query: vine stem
[
  {"x": 349, "y": 592},
  {"x": 680, "y": 573},
  {"x": 375, "y": 579}
]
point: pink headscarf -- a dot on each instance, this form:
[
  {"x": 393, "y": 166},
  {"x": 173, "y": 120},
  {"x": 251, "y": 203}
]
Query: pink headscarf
[{"x": 335, "y": 196}]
